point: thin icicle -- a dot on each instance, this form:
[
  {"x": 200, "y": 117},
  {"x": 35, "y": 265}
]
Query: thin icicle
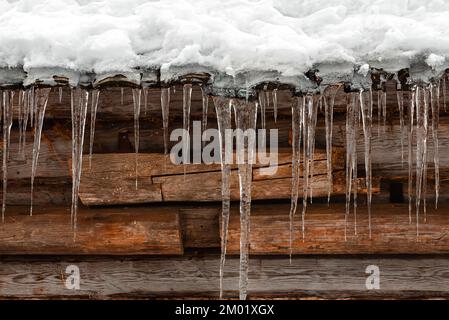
[
  {"x": 400, "y": 99},
  {"x": 41, "y": 100},
  {"x": 122, "y": 96},
  {"x": 263, "y": 108},
  {"x": 205, "y": 101},
  {"x": 79, "y": 102},
  {"x": 223, "y": 111},
  {"x": 367, "y": 111},
  {"x": 435, "y": 104},
  {"x": 246, "y": 118},
  {"x": 275, "y": 104},
  {"x": 136, "y": 102},
  {"x": 145, "y": 100},
  {"x": 8, "y": 96},
  {"x": 165, "y": 107},
  {"x": 444, "y": 92},
  {"x": 20, "y": 107},
  {"x": 32, "y": 105},
  {"x": 411, "y": 111},
  {"x": 329, "y": 101},
  {"x": 297, "y": 110},
  {"x": 25, "y": 116},
  {"x": 308, "y": 119},
  {"x": 351, "y": 115},
  {"x": 379, "y": 110},
  {"x": 187, "y": 100},
  {"x": 60, "y": 94},
  {"x": 421, "y": 147},
  {"x": 93, "y": 117},
  {"x": 384, "y": 110}
]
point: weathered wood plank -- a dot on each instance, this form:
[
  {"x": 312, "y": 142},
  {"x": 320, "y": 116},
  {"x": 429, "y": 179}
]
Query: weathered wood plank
[
  {"x": 197, "y": 276},
  {"x": 109, "y": 231},
  {"x": 111, "y": 179},
  {"x": 325, "y": 231}
]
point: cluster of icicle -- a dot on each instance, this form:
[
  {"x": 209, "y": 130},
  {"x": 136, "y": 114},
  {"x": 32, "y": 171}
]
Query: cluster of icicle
[{"x": 418, "y": 112}]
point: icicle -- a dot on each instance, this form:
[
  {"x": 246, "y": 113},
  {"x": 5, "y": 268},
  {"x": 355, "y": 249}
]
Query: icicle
[
  {"x": 263, "y": 107},
  {"x": 25, "y": 116},
  {"x": 329, "y": 101},
  {"x": 309, "y": 118},
  {"x": 275, "y": 104},
  {"x": 79, "y": 101},
  {"x": 354, "y": 157},
  {"x": 93, "y": 117},
  {"x": 312, "y": 114},
  {"x": 421, "y": 147},
  {"x": 41, "y": 100},
  {"x": 246, "y": 118},
  {"x": 7, "y": 123},
  {"x": 20, "y": 107},
  {"x": 32, "y": 105},
  {"x": 444, "y": 92},
  {"x": 400, "y": 99},
  {"x": 223, "y": 111},
  {"x": 187, "y": 100},
  {"x": 367, "y": 111},
  {"x": 384, "y": 109},
  {"x": 435, "y": 104},
  {"x": 136, "y": 102},
  {"x": 205, "y": 100},
  {"x": 351, "y": 164},
  {"x": 122, "y": 96},
  {"x": 145, "y": 100},
  {"x": 297, "y": 110},
  {"x": 379, "y": 111},
  {"x": 411, "y": 110},
  {"x": 60, "y": 95},
  {"x": 165, "y": 106}
]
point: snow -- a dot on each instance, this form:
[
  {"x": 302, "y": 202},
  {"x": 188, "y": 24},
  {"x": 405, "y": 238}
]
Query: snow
[{"x": 289, "y": 37}]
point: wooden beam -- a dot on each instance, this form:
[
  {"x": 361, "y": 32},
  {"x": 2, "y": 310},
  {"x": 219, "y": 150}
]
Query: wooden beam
[
  {"x": 110, "y": 231},
  {"x": 325, "y": 231},
  {"x": 111, "y": 179},
  {"x": 196, "y": 276}
]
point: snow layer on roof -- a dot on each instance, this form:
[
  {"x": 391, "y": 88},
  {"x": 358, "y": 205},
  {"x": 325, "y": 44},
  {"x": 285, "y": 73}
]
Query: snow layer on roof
[{"x": 228, "y": 36}]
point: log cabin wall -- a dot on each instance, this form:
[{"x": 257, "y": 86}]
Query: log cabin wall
[{"x": 163, "y": 240}]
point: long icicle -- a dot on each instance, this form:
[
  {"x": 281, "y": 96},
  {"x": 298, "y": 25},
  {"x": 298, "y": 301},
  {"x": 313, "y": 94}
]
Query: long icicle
[
  {"x": 400, "y": 98},
  {"x": 136, "y": 101},
  {"x": 329, "y": 101},
  {"x": 223, "y": 111},
  {"x": 187, "y": 100},
  {"x": 435, "y": 103},
  {"x": 79, "y": 101},
  {"x": 8, "y": 96},
  {"x": 205, "y": 102},
  {"x": 41, "y": 100},
  {"x": 297, "y": 109},
  {"x": 165, "y": 107},
  {"x": 275, "y": 104},
  {"x": 246, "y": 118},
  {"x": 366, "y": 111},
  {"x": 93, "y": 116},
  {"x": 350, "y": 145},
  {"x": 411, "y": 111},
  {"x": 25, "y": 116},
  {"x": 20, "y": 107},
  {"x": 421, "y": 143}
]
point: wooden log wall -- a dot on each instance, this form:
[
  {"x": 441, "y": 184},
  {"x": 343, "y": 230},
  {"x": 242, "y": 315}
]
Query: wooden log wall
[{"x": 159, "y": 240}]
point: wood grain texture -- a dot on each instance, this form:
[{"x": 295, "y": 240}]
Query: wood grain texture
[
  {"x": 111, "y": 179},
  {"x": 196, "y": 276},
  {"x": 111, "y": 231},
  {"x": 325, "y": 231}
]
